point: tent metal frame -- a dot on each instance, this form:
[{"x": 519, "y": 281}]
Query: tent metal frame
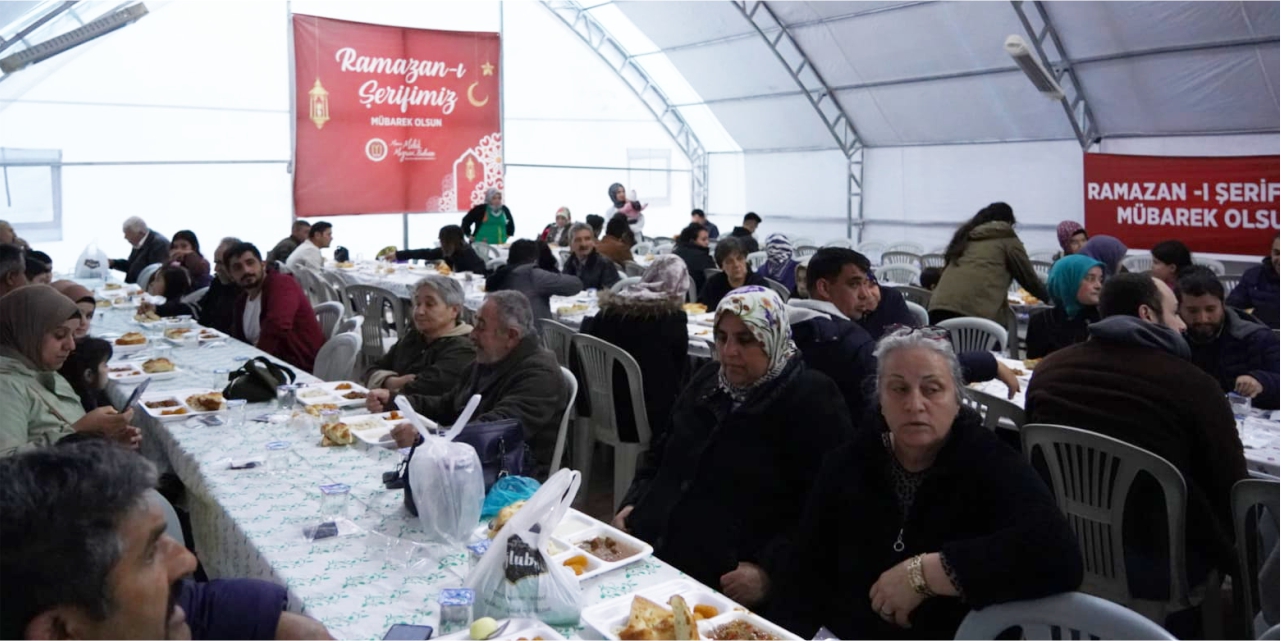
[
  {"x": 821, "y": 98},
  {"x": 1075, "y": 104},
  {"x": 617, "y": 58}
]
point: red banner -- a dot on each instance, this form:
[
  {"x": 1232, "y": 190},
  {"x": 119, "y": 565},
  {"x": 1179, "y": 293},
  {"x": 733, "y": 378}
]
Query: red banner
[
  {"x": 1217, "y": 205},
  {"x": 392, "y": 120}
]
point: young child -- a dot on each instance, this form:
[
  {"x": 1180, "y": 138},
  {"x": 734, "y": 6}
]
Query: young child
[{"x": 86, "y": 370}]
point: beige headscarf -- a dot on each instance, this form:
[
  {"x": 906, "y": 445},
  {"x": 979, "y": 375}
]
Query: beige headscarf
[
  {"x": 26, "y": 315},
  {"x": 75, "y": 291}
]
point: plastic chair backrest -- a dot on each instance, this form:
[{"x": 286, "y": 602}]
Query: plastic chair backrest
[
  {"x": 335, "y": 285},
  {"x": 1090, "y": 477},
  {"x": 1214, "y": 264},
  {"x": 802, "y": 240},
  {"x": 975, "y": 334},
  {"x": 283, "y": 268},
  {"x": 871, "y": 246},
  {"x": 350, "y": 324},
  {"x": 633, "y": 268},
  {"x": 801, "y": 251},
  {"x": 195, "y": 296},
  {"x": 336, "y": 360},
  {"x": 933, "y": 260},
  {"x": 1071, "y": 615},
  {"x": 1042, "y": 269},
  {"x": 779, "y": 288},
  {"x": 173, "y": 527},
  {"x": 904, "y": 246},
  {"x": 642, "y": 248},
  {"x": 896, "y": 257},
  {"x": 1046, "y": 255},
  {"x": 1247, "y": 497},
  {"x": 756, "y": 259},
  {"x": 559, "y": 452},
  {"x": 630, "y": 280},
  {"x": 495, "y": 263},
  {"x": 921, "y": 315},
  {"x": 1137, "y": 263},
  {"x": 144, "y": 276},
  {"x": 485, "y": 250},
  {"x": 596, "y": 360},
  {"x": 899, "y": 274},
  {"x": 691, "y": 294},
  {"x": 914, "y": 294},
  {"x": 1229, "y": 283},
  {"x": 665, "y": 248},
  {"x": 329, "y": 313},
  {"x": 840, "y": 242},
  {"x": 557, "y": 337},
  {"x": 371, "y": 302},
  {"x": 993, "y": 409}
]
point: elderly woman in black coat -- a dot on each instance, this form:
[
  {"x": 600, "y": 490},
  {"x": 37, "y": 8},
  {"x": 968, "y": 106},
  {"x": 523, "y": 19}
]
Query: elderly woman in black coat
[
  {"x": 720, "y": 495},
  {"x": 911, "y": 526}
]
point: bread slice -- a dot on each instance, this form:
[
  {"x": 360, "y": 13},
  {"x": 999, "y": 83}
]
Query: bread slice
[
  {"x": 682, "y": 620},
  {"x": 648, "y": 621}
]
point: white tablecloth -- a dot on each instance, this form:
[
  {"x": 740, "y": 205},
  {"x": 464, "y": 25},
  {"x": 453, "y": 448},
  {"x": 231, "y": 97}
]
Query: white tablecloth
[
  {"x": 248, "y": 523},
  {"x": 1260, "y": 434}
]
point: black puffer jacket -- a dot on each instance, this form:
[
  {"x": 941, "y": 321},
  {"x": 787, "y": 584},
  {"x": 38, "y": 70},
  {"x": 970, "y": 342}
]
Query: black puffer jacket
[
  {"x": 597, "y": 272},
  {"x": 1050, "y": 330},
  {"x": 725, "y": 484},
  {"x": 980, "y": 505},
  {"x": 697, "y": 259},
  {"x": 464, "y": 260}
]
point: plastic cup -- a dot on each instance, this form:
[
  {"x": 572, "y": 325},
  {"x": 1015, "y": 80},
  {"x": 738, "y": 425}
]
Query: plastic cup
[
  {"x": 236, "y": 411},
  {"x": 286, "y": 396},
  {"x": 220, "y": 378},
  {"x": 333, "y": 499},
  {"x": 329, "y": 417},
  {"x": 277, "y": 457}
]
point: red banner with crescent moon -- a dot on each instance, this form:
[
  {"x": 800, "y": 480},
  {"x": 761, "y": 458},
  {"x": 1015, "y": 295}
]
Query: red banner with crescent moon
[{"x": 392, "y": 120}]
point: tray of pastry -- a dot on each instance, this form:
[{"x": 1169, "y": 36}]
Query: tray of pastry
[{"x": 172, "y": 406}]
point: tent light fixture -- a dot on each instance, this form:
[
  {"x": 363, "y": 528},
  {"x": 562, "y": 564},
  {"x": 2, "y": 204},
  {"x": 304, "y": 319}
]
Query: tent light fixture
[{"x": 1027, "y": 60}]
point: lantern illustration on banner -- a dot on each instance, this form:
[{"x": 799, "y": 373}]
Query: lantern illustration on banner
[
  {"x": 468, "y": 174},
  {"x": 318, "y": 102}
]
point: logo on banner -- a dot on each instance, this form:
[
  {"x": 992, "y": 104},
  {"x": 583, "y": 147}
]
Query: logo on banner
[{"x": 376, "y": 149}]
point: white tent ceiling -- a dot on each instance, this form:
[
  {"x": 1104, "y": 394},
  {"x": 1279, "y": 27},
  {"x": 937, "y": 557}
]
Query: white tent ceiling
[{"x": 913, "y": 73}]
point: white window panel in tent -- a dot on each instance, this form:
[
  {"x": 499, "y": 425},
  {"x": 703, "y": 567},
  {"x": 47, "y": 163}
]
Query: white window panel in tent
[
  {"x": 704, "y": 68},
  {"x": 677, "y": 24},
  {"x": 997, "y": 107},
  {"x": 1136, "y": 26},
  {"x": 771, "y": 123},
  {"x": 792, "y": 13},
  {"x": 918, "y": 41},
  {"x": 1188, "y": 92}
]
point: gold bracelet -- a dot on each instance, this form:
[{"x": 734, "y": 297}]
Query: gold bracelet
[{"x": 916, "y": 576}]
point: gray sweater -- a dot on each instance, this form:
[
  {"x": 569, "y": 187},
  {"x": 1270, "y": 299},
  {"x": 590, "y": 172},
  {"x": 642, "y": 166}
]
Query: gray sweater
[{"x": 538, "y": 285}]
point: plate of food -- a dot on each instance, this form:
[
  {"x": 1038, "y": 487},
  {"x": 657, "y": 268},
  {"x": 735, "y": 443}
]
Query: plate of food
[
  {"x": 147, "y": 318},
  {"x": 370, "y": 428},
  {"x": 346, "y": 264},
  {"x": 207, "y": 335},
  {"x": 588, "y": 547},
  {"x": 124, "y": 302},
  {"x": 573, "y": 309},
  {"x": 178, "y": 335},
  {"x": 349, "y": 394},
  {"x": 125, "y": 373},
  {"x": 706, "y": 318},
  {"x": 696, "y": 331},
  {"x": 130, "y": 343},
  {"x": 183, "y": 404},
  {"x": 678, "y": 609},
  {"x": 160, "y": 368},
  {"x": 694, "y": 309}
]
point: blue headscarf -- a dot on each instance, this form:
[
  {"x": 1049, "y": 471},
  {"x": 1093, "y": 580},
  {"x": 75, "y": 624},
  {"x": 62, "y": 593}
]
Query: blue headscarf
[
  {"x": 1107, "y": 250},
  {"x": 1065, "y": 280}
]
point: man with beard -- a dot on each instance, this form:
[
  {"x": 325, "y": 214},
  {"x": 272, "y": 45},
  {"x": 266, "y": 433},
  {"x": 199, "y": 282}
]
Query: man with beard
[
  {"x": 272, "y": 312},
  {"x": 86, "y": 556},
  {"x": 1239, "y": 352}
]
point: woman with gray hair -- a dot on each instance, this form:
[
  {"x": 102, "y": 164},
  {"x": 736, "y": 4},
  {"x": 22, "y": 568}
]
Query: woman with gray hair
[
  {"x": 491, "y": 221},
  {"x": 911, "y": 525},
  {"x": 430, "y": 359}
]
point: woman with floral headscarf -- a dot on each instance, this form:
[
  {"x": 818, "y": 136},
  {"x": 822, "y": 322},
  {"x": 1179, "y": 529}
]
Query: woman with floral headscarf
[
  {"x": 1072, "y": 237},
  {"x": 646, "y": 320},
  {"x": 718, "y": 496},
  {"x": 779, "y": 265},
  {"x": 491, "y": 221},
  {"x": 1075, "y": 283}
]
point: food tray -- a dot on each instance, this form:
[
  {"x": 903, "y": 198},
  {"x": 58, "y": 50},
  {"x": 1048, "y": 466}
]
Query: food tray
[
  {"x": 370, "y": 435},
  {"x": 310, "y": 394},
  {"x": 610, "y": 617},
  {"x": 133, "y": 375},
  {"x": 121, "y": 350},
  {"x": 180, "y": 396},
  {"x": 576, "y": 528},
  {"x": 527, "y": 629},
  {"x": 707, "y": 319},
  {"x": 700, "y": 332}
]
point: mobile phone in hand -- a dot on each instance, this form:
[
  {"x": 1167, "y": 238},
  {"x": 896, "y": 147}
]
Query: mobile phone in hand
[{"x": 404, "y": 632}]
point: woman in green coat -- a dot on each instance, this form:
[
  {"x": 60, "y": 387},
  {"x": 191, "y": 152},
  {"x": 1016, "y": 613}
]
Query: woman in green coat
[
  {"x": 984, "y": 257},
  {"x": 37, "y": 334}
]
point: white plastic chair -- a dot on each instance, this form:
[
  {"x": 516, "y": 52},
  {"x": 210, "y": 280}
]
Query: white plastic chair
[
  {"x": 642, "y": 248},
  {"x": 899, "y": 275},
  {"x": 756, "y": 259},
  {"x": 802, "y": 240},
  {"x": 840, "y": 242},
  {"x": 779, "y": 288},
  {"x": 559, "y": 452},
  {"x": 691, "y": 291},
  {"x": 903, "y": 246},
  {"x": 630, "y": 280},
  {"x": 1137, "y": 263},
  {"x": 1215, "y": 265},
  {"x": 659, "y": 250},
  {"x": 372, "y": 303},
  {"x": 557, "y": 337},
  {"x": 996, "y": 411},
  {"x": 1046, "y": 255},
  {"x": 975, "y": 334},
  {"x": 801, "y": 251},
  {"x": 334, "y": 285},
  {"x": 1071, "y": 615},
  {"x": 933, "y": 260},
  {"x": 144, "y": 276},
  {"x": 1090, "y": 477},
  {"x": 486, "y": 251},
  {"x": 914, "y": 294},
  {"x": 870, "y": 247},
  {"x": 195, "y": 296},
  {"x": 633, "y": 268},
  {"x": 597, "y": 360},
  {"x": 1247, "y": 497},
  {"x": 494, "y": 263},
  {"x": 896, "y": 257},
  {"x": 336, "y": 360},
  {"x": 921, "y": 315},
  {"x": 1229, "y": 283},
  {"x": 350, "y": 324},
  {"x": 329, "y": 313},
  {"x": 1042, "y": 269},
  {"x": 316, "y": 293}
]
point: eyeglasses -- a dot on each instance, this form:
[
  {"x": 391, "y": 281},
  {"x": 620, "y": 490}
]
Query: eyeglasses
[{"x": 933, "y": 332}]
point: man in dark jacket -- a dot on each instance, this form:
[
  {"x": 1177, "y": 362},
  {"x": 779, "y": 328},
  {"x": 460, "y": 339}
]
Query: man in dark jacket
[
  {"x": 1132, "y": 381},
  {"x": 826, "y": 330},
  {"x": 149, "y": 248},
  {"x": 885, "y": 307},
  {"x": 744, "y": 233},
  {"x": 453, "y": 250},
  {"x": 272, "y": 312},
  {"x": 516, "y": 377},
  {"x": 1227, "y": 344},
  {"x": 280, "y": 253},
  {"x": 698, "y": 216},
  {"x": 596, "y": 271},
  {"x": 218, "y": 305},
  {"x": 1258, "y": 289},
  {"x": 691, "y": 246}
]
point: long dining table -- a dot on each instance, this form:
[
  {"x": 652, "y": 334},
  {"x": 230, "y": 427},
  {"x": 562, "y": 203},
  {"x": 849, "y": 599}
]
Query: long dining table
[{"x": 249, "y": 522}]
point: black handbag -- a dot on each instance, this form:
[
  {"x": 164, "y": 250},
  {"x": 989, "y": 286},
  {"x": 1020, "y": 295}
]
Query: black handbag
[
  {"x": 500, "y": 445},
  {"x": 256, "y": 381}
]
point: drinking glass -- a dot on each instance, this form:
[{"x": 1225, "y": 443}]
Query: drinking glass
[
  {"x": 277, "y": 457},
  {"x": 236, "y": 411},
  {"x": 220, "y": 378},
  {"x": 286, "y": 396}
]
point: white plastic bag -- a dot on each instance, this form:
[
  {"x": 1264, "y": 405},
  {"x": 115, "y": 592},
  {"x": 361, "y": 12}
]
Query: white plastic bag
[
  {"x": 447, "y": 480},
  {"x": 517, "y": 577},
  {"x": 93, "y": 263}
]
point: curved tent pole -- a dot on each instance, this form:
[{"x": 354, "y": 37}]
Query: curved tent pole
[
  {"x": 616, "y": 57},
  {"x": 820, "y": 96}
]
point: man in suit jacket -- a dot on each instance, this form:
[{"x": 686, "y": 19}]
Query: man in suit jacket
[{"x": 148, "y": 247}]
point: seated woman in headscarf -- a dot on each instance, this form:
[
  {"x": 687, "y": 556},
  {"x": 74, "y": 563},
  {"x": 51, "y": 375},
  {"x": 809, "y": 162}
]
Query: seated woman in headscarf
[
  {"x": 184, "y": 251},
  {"x": 779, "y": 266},
  {"x": 1075, "y": 283},
  {"x": 557, "y": 233},
  {"x": 1072, "y": 237},
  {"x": 173, "y": 283},
  {"x": 720, "y": 494},
  {"x": 491, "y": 221},
  {"x": 84, "y": 300},
  {"x": 646, "y": 320},
  {"x": 911, "y": 525},
  {"x": 1107, "y": 250},
  {"x": 37, "y": 334}
]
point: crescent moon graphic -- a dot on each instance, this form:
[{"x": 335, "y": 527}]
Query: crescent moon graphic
[{"x": 471, "y": 97}]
